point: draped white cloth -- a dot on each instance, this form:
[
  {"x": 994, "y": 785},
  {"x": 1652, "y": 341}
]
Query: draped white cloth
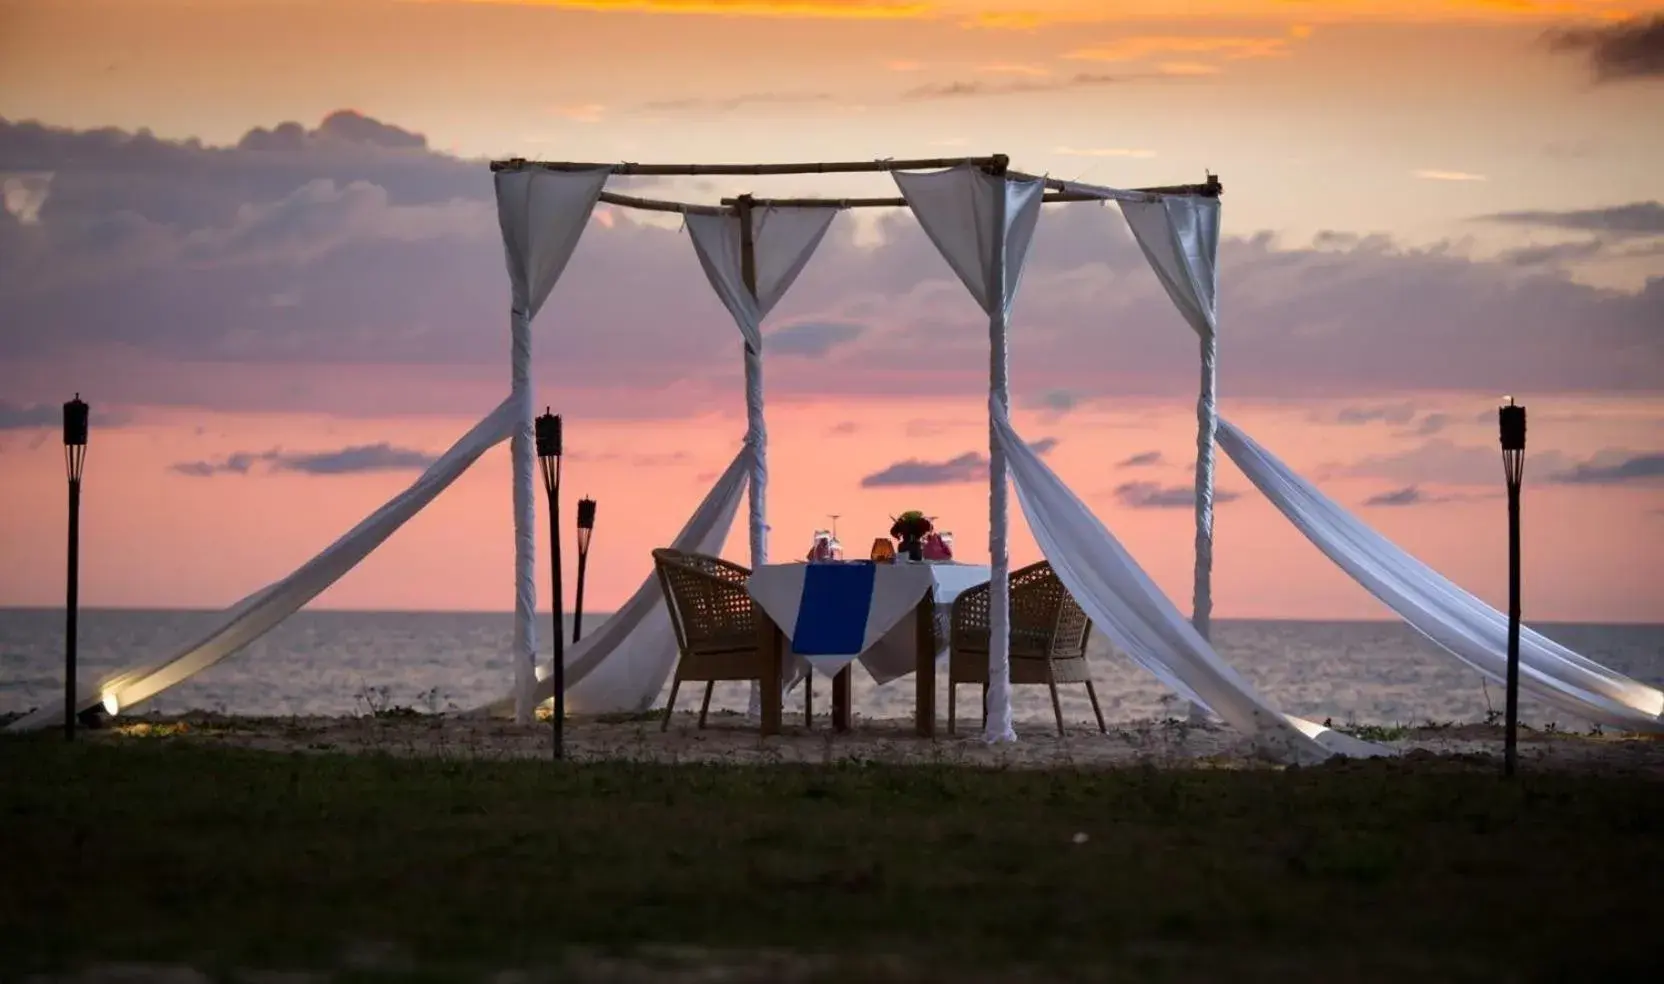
[
  {"x": 258, "y": 613},
  {"x": 623, "y": 664},
  {"x": 1180, "y": 238},
  {"x": 983, "y": 226},
  {"x": 1454, "y": 619},
  {"x": 1131, "y": 610},
  {"x": 542, "y": 215},
  {"x": 782, "y": 241}
]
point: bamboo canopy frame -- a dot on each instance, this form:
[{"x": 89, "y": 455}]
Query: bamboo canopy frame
[
  {"x": 1057, "y": 191},
  {"x": 995, "y": 163}
]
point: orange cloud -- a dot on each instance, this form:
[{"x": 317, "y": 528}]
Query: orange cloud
[
  {"x": 806, "y": 9},
  {"x": 586, "y": 113},
  {"x": 1132, "y": 48},
  {"x": 904, "y": 65},
  {"x": 1430, "y": 174},
  {"x": 1006, "y": 68}
]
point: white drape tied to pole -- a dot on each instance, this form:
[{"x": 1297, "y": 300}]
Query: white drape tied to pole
[
  {"x": 1180, "y": 237},
  {"x": 542, "y": 215},
  {"x": 622, "y": 666},
  {"x": 1132, "y": 611},
  {"x": 983, "y": 225},
  {"x": 258, "y": 613},
  {"x": 1452, "y": 618},
  {"x": 783, "y": 240}
]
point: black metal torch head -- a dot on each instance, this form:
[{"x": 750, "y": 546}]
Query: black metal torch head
[
  {"x": 548, "y": 435},
  {"x": 75, "y": 423},
  {"x": 586, "y": 523},
  {"x": 1512, "y": 419}
]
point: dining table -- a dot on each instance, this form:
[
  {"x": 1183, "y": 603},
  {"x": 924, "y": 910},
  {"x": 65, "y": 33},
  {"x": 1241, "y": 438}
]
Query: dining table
[{"x": 824, "y": 617}]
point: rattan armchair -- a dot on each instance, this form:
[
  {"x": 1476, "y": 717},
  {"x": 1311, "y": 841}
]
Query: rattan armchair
[
  {"x": 716, "y": 626},
  {"x": 1048, "y": 639}
]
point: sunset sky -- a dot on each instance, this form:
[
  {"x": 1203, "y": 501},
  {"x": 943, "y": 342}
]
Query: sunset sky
[{"x": 258, "y": 237}]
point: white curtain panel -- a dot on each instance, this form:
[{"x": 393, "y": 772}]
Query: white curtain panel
[
  {"x": 1454, "y": 619},
  {"x": 257, "y": 614},
  {"x": 1132, "y": 611},
  {"x": 783, "y": 240},
  {"x": 542, "y": 215},
  {"x": 1180, "y": 237},
  {"x": 622, "y": 666},
  {"x": 983, "y": 226}
]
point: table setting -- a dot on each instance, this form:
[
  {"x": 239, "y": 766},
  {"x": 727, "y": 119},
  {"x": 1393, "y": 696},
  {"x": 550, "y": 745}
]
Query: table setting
[{"x": 829, "y": 612}]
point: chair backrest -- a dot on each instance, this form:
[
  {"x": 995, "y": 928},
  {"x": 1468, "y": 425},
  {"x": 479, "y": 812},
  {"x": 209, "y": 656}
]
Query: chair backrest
[
  {"x": 1046, "y": 621},
  {"x": 710, "y": 609}
]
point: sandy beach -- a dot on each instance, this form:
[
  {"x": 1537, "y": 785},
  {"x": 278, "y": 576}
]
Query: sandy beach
[{"x": 730, "y": 739}]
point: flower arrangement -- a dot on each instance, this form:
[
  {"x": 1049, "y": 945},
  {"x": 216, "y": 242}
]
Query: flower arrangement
[{"x": 910, "y": 528}]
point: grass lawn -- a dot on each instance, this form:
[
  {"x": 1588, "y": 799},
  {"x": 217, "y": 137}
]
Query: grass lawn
[{"x": 221, "y": 859}]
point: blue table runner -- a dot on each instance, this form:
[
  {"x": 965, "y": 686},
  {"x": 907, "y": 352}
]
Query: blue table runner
[{"x": 832, "y": 616}]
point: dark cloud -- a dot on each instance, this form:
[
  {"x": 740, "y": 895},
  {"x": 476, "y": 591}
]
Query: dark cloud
[
  {"x": 969, "y": 467},
  {"x": 1056, "y": 403},
  {"x": 1432, "y": 424},
  {"x": 1631, "y": 49},
  {"x": 1142, "y": 460},
  {"x": 340, "y": 127},
  {"x": 1441, "y": 461},
  {"x": 1634, "y": 219},
  {"x": 170, "y": 273},
  {"x": 355, "y": 460},
  {"x": 964, "y": 89},
  {"x": 1554, "y": 254},
  {"x": 1397, "y": 413},
  {"x": 43, "y": 416},
  {"x": 811, "y": 338},
  {"x": 1152, "y": 495},
  {"x": 16, "y": 416},
  {"x": 1409, "y": 495},
  {"x": 1612, "y": 469}
]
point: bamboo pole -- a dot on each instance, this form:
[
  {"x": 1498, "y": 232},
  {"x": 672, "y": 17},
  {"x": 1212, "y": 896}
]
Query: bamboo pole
[
  {"x": 690, "y": 170},
  {"x": 1210, "y": 189},
  {"x": 1054, "y": 196},
  {"x": 658, "y": 205}
]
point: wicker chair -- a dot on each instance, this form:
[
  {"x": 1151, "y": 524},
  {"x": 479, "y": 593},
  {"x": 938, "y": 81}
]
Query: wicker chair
[
  {"x": 1048, "y": 640},
  {"x": 716, "y": 627}
]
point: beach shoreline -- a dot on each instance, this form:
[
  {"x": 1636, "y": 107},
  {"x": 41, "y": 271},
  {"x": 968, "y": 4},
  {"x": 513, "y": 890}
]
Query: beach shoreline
[{"x": 729, "y": 739}]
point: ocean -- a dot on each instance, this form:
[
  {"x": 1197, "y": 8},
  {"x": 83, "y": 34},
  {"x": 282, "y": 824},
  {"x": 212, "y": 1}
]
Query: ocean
[{"x": 338, "y": 662}]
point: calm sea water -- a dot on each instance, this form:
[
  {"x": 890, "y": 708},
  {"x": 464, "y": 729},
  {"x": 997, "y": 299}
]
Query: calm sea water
[{"x": 342, "y": 662}]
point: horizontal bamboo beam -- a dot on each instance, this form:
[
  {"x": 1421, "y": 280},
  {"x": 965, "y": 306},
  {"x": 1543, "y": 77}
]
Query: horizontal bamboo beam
[
  {"x": 657, "y": 205},
  {"x": 1051, "y": 196},
  {"x": 1211, "y": 189},
  {"x": 690, "y": 170}
]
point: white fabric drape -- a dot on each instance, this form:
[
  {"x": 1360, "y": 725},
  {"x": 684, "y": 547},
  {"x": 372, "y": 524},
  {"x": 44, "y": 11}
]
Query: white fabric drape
[
  {"x": 1180, "y": 238},
  {"x": 257, "y": 614},
  {"x": 983, "y": 226},
  {"x": 1131, "y": 610},
  {"x": 542, "y": 215},
  {"x": 1454, "y": 619},
  {"x": 622, "y": 666},
  {"x": 782, "y": 241}
]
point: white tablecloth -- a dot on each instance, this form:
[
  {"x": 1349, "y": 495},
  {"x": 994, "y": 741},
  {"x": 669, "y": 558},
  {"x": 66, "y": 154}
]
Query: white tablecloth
[{"x": 889, "y": 648}]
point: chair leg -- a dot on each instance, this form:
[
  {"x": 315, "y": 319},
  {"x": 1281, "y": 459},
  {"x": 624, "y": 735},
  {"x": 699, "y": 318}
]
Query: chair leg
[
  {"x": 1057, "y": 706},
  {"x": 809, "y": 701},
  {"x": 705, "y": 707},
  {"x": 953, "y": 692},
  {"x": 1092, "y": 695},
  {"x": 985, "y": 707},
  {"x": 670, "y": 705}
]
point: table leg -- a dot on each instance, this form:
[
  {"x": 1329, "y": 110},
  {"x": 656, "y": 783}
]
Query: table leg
[
  {"x": 771, "y": 643},
  {"x": 840, "y": 700},
  {"x": 924, "y": 670}
]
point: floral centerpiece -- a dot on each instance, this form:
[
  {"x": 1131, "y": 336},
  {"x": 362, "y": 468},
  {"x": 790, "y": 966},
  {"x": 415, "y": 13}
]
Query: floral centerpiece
[{"x": 910, "y": 529}]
